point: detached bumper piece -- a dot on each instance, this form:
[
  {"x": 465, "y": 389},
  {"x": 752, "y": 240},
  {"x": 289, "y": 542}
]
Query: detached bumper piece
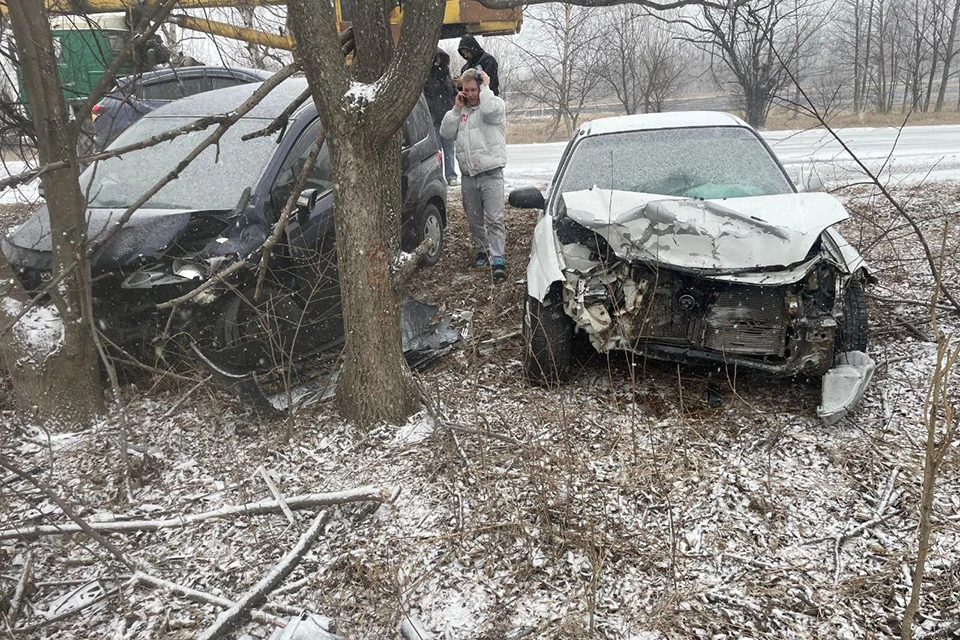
[{"x": 844, "y": 385}]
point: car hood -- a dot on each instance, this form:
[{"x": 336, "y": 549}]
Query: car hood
[
  {"x": 148, "y": 233},
  {"x": 717, "y": 236}
]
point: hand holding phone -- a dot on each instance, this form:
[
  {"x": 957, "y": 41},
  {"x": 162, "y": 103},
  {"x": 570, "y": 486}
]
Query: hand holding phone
[{"x": 460, "y": 100}]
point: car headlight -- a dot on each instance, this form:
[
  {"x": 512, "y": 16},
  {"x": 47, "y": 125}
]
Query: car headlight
[{"x": 188, "y": 270}]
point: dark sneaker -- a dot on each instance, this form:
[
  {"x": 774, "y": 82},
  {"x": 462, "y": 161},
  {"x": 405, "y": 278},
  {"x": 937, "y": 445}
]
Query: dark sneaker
[
  {"x": 452, "y": 181},
  {"x": 499, "y": 268},
  {"x": 481, "y": 260}
]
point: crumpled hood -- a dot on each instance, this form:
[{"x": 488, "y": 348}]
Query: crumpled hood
[
  {"x": 148, "y": 233},
  {"x": 724, "y": 235}
]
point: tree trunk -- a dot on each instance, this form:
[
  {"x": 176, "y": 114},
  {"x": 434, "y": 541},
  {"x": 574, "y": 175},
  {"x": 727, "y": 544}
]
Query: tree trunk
[
  {"x": 71, "y": 391},
  {"x": 375, "y": 384},
  {"x": 948, "y": 55},
  {"x": 363, "y": 133}
]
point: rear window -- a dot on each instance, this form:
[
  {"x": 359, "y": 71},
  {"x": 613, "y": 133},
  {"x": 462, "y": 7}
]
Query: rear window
[
  {"x": 224, "y": 82},
  {"x": 418, "y": 126},
  {"x": 701, "y": 162},
  {"x": 172, "y": 88}
]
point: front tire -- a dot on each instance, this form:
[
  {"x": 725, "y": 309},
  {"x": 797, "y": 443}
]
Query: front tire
[
  {"x": 852, "y": 331},
  {"x": 547, "y": 339}
]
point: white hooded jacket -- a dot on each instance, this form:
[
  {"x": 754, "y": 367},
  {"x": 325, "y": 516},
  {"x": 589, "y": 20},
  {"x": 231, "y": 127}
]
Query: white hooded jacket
[{"x": 480, "y": 133}]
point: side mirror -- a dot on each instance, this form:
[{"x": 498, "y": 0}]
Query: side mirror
[
  {"x": 809, "y": 179},
  {"x": 42, "y": 190},
  {"x": 526, "y": 198},
  {"x": 308, "y": 200}
]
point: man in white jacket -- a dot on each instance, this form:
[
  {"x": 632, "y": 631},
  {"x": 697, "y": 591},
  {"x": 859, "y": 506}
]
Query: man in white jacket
[{"x": 478, "y": 123}]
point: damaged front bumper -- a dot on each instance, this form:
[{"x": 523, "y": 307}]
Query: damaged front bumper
[
  {"x": 779, "y": 328},
  {"x": 779, "y": 321}
]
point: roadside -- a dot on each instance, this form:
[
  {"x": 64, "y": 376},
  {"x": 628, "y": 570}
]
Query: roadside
[{"x": 622, "y": 505}]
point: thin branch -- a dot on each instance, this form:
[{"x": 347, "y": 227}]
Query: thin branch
[
  {"x": 304, "y": 501},
  {"x": 258, "y": 592}
]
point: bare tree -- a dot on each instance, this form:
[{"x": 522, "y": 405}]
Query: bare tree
[
  {"x": 748, "y": 38},
  {"x": 365, "y": 104},
  {"x": 639, "y": 59},
  {"x": 562, "y": 63},
  {"x": 949, "y": 53},
  {"x": 72, "y": 373}
]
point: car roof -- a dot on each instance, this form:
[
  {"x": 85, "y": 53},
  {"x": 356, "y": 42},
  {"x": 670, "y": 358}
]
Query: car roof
[
  {"x": 223, "y": 101},
  {"x": 197, "y": 70},
  {"x": 667, "y": 120}
]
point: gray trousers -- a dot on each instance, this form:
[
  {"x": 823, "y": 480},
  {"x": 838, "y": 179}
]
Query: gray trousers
[{"x": 483, "y": 204}]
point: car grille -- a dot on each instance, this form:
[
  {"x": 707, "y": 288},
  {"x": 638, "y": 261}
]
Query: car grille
[{"x": 742, "y": 321}]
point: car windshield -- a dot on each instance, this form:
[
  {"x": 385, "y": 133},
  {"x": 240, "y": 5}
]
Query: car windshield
[
  {"x": 215, "y": 180},
  {"x": 701, "y": 162}
]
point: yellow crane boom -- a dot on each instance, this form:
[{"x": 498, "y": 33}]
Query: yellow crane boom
[{"x": 460, "y": 17}]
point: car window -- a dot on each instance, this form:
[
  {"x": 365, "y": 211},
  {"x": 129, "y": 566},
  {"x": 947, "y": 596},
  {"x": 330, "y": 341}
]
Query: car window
[
  {"x": 321, "y": 176},
  {"x": 172, "y": 88},
  {"x": 695, "y": 162},
  {"x": 214, "y": 181},
  {"x": 224, "y": 82},
  {"x": 418, "y": 126}
]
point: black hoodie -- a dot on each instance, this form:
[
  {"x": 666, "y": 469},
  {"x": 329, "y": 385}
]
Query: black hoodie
[
  {"x": 439, "y": 90},
  {"x": 481, "y": 60}
]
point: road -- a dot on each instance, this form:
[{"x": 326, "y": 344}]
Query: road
[{"x": 927, "y": 154}]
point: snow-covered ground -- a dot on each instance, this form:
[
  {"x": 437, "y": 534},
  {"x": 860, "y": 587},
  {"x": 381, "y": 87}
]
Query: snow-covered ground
[
  {"x": 908, "y": 156},
  {"x": 623, "y": 506}
]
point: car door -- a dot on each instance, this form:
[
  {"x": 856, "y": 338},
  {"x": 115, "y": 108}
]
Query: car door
[{"x": 311, "y": 266}]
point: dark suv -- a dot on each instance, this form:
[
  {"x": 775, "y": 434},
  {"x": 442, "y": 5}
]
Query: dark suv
[
  {"x": 220, "y": 211},
  {"x": 135, "y": 96}
]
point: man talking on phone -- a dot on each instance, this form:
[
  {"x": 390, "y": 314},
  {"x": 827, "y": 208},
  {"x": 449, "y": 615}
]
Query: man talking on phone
[{"x": 478, "y": 123}]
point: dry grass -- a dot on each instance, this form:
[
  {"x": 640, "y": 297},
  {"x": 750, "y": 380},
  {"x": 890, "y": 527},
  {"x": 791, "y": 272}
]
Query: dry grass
[
  {"x": 540, "y": 130},
  {"x": 781, "y": 118}
]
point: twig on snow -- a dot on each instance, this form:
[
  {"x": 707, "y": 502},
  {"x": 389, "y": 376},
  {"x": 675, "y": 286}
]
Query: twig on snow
[
  {"x": 258, "y": 592},
  {"x": 276, "y": 494},
  {"x": 79, "y": 523},
  {"x": 305, "y": 501},
  {"x": 21, "y": 588},
  {"x": 202, "y": 596}
]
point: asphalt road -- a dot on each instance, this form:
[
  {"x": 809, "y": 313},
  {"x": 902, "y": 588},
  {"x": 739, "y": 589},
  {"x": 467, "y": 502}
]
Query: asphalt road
[{"x": 910, "y": 156}]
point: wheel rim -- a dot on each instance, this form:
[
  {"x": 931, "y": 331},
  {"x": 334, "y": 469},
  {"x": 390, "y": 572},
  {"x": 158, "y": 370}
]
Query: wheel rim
[{"x": 433, "y": 230}]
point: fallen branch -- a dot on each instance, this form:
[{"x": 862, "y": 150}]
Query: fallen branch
[
  {"x": 20, "y": 590},
  {"x": 305, "y": 501},
  {"x": 79, "y": 523},
  {"x": 229, "y": 618},
  {"x": 202, "y": 597}
]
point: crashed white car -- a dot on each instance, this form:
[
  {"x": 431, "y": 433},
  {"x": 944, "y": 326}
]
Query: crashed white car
[{"x": 680, "y": 237}]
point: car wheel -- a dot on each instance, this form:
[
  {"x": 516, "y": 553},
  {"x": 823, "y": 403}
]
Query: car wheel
[
  {"x": 547, "y": 340},
  {"x": 430, "y": 225},
  {"x": 852, "y": 331},
  {"x": 257, "y": 333}
]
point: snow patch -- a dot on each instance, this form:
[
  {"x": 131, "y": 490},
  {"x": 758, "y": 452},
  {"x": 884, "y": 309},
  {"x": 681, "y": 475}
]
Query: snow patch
[
  {"x": 39, "y": 331},
  {"x": 360, "y": 93},
  {"x": 416, "y": 430}
]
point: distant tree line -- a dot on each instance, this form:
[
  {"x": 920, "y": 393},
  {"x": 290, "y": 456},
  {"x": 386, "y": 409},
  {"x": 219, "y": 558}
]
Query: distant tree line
[{"x": 849, "y": 55}]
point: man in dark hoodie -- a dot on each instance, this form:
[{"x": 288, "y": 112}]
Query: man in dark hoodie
[
  {"x": 439, "y": 92},
  {"x": 471, "y": 51}
]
